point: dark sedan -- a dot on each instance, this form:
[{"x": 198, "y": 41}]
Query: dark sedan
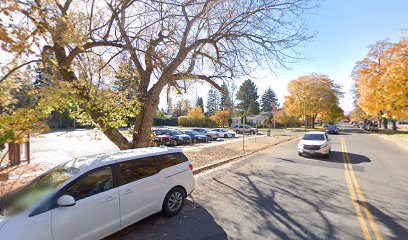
[
  {"x": 196, "y": 136},
  {"x": 332, "y": 129}
]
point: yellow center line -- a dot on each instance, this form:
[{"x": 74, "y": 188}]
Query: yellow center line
[
  {"x": 359, "y": 191},
  {"x": 353, "y": 197}
]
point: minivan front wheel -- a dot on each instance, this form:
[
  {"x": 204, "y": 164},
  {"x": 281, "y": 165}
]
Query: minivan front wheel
[{"x": 174, "y": 201}]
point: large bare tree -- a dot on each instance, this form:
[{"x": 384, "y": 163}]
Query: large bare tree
[{"x": 170, "y": 43}]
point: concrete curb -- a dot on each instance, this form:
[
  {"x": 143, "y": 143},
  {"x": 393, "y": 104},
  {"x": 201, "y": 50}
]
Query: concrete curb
[{"x": 218, "y": 164}]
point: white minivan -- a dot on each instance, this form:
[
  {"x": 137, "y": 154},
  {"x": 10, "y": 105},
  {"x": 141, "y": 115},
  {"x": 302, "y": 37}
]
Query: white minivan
[{"x": 93, "y": 197}]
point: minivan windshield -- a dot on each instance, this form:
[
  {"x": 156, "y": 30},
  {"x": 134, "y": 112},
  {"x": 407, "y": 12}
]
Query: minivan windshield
[
  {"x": 35, "y": 191},
  {"x": 312, "y": 136}
]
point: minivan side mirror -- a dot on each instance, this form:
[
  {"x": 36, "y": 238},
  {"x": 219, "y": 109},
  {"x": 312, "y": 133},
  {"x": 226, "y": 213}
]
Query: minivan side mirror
[{"x": 66, "y": 201}]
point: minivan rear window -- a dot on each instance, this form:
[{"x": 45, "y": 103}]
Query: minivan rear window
[
  {"x": 131, "y": 171},
  {"x": 169, "y": 160}
]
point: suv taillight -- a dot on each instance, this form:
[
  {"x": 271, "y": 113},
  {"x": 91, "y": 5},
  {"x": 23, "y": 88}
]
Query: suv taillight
[{"x": 190, "y": 166}]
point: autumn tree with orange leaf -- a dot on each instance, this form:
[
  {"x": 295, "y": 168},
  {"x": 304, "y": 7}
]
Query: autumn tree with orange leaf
[
  {"x": 382, "y": 82},
  {"x": 312, "y": 96},
  {"x": 167, "y": 43}
]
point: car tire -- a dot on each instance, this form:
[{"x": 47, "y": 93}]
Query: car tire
[
  {"x": 194, "y": 140},
  {"x": 327, "y": 155},
  {"x": 174, "y": 202},
  {"x": 214, "y": 139},
  {"x": 174, "y": 142},
  {"x": 238, "y": 132},
  {"x": 251, "y": 132},
  {"x": 225, "y": 135},
  {"x": 300, "y": 154}
]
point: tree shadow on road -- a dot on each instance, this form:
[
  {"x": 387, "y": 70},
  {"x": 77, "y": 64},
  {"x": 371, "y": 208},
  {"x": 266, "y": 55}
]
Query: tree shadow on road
[
  {"x": 398, "y": 231},
  {"x": 193, "y": 222},
  {"x": 285, "y": 206}
]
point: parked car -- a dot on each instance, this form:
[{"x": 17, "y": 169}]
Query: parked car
[
  {"x": 314, "y": 143},
  {"x": 244, "y": 129},
  {"x": 210, "y": 134},
  {"x": 332, "y": 129},
  {"x": 93, "y": 197},
  {"x": 373, "y": 127},
  {"x": 196, "y": 136},
  {"x": 163, "y": 137},
  {"x": 225, "y": 133},
  {"x": 180, "y": 138}
]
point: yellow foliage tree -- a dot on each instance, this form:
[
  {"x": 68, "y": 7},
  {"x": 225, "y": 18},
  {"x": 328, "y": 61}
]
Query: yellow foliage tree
[
  {"x": 196, "y": 116},
  {"x": 382, "y": 81},
  {"x": 313, "y": 95},
  {"x": 221, "y": 117}
]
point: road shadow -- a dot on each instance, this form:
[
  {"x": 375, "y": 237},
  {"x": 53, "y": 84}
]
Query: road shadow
[
  {"x": 398, "y": 231},
  {"x": 193, "y": 222},
  {"x": 269, "y": 196},
  {"x": 337, "y": 157},
  {"x": 339, "y": 134}
]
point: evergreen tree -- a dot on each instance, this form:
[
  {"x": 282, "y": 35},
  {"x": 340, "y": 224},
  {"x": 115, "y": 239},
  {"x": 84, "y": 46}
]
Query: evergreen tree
[
  {"x": 200, "y": 103},
  {"x": 268, "y": 99},
  {"x": 225, "y": 99},
  {"x": 212, "y": 101},
  {"x": 253, "y": 108},
  {"x": 247, "y": 92}
]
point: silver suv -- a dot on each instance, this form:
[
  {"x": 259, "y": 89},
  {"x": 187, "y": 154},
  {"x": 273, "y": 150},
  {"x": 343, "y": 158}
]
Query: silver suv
[{"x": 244, "y": 129}]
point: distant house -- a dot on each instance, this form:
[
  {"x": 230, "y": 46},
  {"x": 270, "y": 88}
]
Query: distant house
[{"x": 260, "y": 119}]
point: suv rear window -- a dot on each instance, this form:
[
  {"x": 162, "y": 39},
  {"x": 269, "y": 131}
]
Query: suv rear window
[{"x": 169, "y": 160}]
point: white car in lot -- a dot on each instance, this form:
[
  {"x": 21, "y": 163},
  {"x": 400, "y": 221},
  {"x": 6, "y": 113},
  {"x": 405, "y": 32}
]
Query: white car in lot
[
  {"x": 93, "y": 197},
  {"x": 314, "y": 143},
  {"x": 224, "y": 133}
]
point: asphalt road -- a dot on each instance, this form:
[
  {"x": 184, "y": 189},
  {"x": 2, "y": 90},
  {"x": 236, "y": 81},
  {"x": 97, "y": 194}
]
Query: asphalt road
[{"x": 279, "y": 195}]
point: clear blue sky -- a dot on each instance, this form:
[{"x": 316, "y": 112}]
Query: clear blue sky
[{"x": 344, "y": 31}]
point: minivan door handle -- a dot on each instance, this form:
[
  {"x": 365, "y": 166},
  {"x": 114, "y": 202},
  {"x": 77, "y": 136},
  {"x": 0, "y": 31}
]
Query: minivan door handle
[
  {"x": 127, "y": 191},
  {"x": 107, "y": 199}
]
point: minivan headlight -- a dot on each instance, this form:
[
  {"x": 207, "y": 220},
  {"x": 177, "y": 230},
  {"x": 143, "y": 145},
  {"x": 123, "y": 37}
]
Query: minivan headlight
[{"x": 324, "y": 144}]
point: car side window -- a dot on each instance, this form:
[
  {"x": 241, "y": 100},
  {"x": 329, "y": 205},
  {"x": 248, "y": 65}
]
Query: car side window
[
  {"x": 134, "y": 170},
  {"x": 92, "y": 183},
  {"x": 169, "y": 160}
]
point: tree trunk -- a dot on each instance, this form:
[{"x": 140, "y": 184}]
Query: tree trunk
[
  {"x": 313, "y": 121},
  {"x": 394, "y": 125},
  {"x": 142, "y": 134},
  {"x": 385, "y": 122}
]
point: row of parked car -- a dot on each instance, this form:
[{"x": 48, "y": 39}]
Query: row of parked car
[
  {"x": 369, "y": 126},
  {"x": 174, "y": 137}
]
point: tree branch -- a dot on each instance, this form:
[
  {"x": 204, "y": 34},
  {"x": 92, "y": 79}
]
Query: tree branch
[{"x": 16, "y": 68}]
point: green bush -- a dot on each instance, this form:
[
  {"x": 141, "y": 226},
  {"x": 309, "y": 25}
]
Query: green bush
[{"x": 183, "y": 121}]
